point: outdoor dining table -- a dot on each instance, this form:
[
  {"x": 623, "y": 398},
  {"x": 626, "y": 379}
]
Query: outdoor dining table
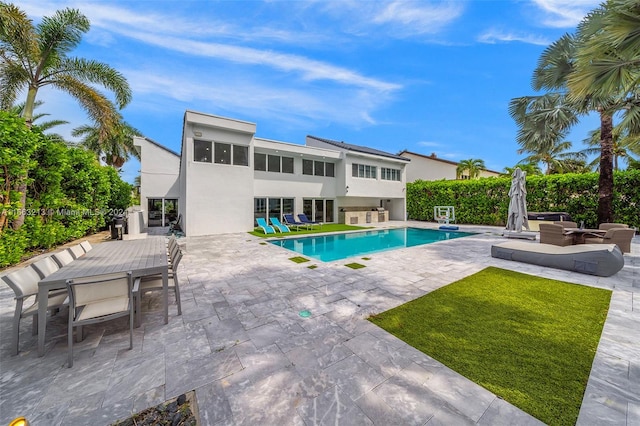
[
  {"x": 580, "y": 233},
  {"x": 147, "y": 256}
]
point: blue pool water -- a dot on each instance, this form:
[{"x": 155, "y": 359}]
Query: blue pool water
[{"x": 341, "y": 246}]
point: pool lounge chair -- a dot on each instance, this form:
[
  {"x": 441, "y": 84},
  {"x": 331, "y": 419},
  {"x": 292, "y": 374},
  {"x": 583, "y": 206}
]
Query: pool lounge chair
[
  {"x": 275, "y": 222},
  {"x": 266, "y": 228},
  {"x": 290, "y": 221},
  {"x": 304, "y": 219}
]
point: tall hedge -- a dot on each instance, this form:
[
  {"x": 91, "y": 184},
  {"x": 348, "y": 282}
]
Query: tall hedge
[
  {"x": 69, "y": 193},
  {"x": 486, "y": 201}
]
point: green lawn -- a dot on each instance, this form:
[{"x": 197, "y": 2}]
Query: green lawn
[
  {"x": 529, "y": 340},
  {"x": 329, "y": 227}
]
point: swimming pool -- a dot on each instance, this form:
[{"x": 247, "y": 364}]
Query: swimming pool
[{"x": 341, "y": 246}]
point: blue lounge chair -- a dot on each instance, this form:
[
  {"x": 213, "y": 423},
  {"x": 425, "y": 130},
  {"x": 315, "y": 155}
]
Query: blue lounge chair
[
  {"x": 275, "y": 222},
  {"x": 267, "y": 229},
  {"x": 290, "y": 221},
  {"x": 304, "y": 219}
]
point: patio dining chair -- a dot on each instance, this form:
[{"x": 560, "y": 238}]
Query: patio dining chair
[
  {"x": 76, "y": 251},
  {"x": 45, "y": 267},
  {"x": 554, "y": 234},
  {"x": 565, "y": 223},
  {"x": 63, "y": 257},
  {"x": 607, "y": 226},
  {"x": 86, "y": 246},
  {"x": 98, "y": 299},
  {"x": 24, "y": 283},
  {"x": 620, "y": 236},
  {"x": 154, "y": 283}
]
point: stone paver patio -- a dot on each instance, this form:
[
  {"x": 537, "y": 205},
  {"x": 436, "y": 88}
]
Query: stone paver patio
[{"x": 253, "y": 360}]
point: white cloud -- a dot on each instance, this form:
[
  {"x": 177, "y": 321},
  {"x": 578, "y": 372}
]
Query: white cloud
[
  {"x": 429, "y": 144},
  {"x": 565, "y": 13},
  {"x": 417, "y": 17},
  {"x": 493, "y": 36},
  {"x": 253, "y": 97},
  {"x": 397, "y": 19},
  {"x": 309, "y": 69}
]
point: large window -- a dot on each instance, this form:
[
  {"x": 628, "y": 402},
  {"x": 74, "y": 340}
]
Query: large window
[
  {"x": 272, "y": 207},
  {"x": 240, "y": 155},
  {"x": 260, "y": 162},
  {"x": 364, "y": 171},
  {"x": 318, "y": 168},
  {"x": 390, "y": 174},
  {"x": 307, "y": 167},
  {"x": 287, "y": 165},
  {"x": 272, "y": 163},
  {"x": 202, "y": 151},
  {"x": 223, "y": 153},
  {"x": 320, "y": 210},
  {"x": 161, "y": 211}
]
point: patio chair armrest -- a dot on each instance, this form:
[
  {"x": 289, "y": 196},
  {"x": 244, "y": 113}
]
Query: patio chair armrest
[{"x": 136, "y": 286}]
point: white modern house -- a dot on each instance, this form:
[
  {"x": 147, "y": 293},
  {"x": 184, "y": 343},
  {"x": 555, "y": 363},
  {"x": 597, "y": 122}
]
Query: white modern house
[
  {"x": 430, "y": 167},
  {"x": 226, "y": 177}
]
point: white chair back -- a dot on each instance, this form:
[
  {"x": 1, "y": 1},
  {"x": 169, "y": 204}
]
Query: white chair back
[
  {"x": 63, "y": 257},
  {"x": 24, "y": 281},
  {"x": 76, "y": 251},
  {"x": 45, "y": 266},
  {"x": 86, "y": 246},
  {"x": 103, "y": 287}
]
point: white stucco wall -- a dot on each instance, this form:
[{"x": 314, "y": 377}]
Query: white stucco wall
[
  {"x": 159, "y": 173},
  {"x": 219, "y": 197}
]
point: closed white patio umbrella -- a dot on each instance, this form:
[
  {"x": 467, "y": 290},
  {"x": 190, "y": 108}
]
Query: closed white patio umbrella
[{"x": 518, "y": 202}]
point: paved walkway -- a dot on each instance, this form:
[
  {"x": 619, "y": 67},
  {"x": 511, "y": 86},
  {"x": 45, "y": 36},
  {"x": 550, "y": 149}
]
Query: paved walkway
[{"x": 253, "y": 360}]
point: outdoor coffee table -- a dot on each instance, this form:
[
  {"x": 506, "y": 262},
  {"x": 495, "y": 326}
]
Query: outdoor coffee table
[
  {"x": 147, "y": 256},
  {"x": 579, "y": 234}
]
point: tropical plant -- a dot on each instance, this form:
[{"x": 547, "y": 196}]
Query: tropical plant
[
  {"x": 473, "y": 166},
  {"x": 625, "y": 146},
  {"x": 559, "y": 67},
  {"x": 32, "y": 57},
  {"x": 556, "y": 158},
  {"x": 530, "y": 169},
  {"x": 113, "y": 146},
  {"x": 45, "y": 126}
]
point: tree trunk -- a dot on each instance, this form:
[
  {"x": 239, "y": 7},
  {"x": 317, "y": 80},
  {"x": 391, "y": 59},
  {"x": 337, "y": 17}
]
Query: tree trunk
[
  {"x": 27, "y": 114},
  {"x": 605, "y": 183}
]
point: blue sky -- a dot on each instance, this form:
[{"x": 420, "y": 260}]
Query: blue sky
[{"x": 428, "y": 77}]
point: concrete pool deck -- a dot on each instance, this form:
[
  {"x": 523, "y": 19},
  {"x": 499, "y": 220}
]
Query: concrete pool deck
[{"x": 241, "y": 344}]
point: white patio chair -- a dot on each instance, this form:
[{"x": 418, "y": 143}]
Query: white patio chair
[
  {"x": 45, "y": 267},
  {"x": 98, "y": 299},
  {"x": 24, "y": 283},
  {"x": 76, "y": 251},
  {"x": 154, "y": 283},
  {"x": 63, "y": 257},
  {"x": 86, "y": 246}
]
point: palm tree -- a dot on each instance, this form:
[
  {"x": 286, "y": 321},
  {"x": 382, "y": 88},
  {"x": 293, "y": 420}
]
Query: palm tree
[
  {"x": 44, "y": 126},
  {"x": 113, "y": 146},
  {"x": 625, "y": 146},
  {"x": 556, "y": 68},
  {"x": 555, "y": 158},
  {"x": 529, "y": 168},
  {"x": 473, "y": 166},
  {"x": 32, "y": 57}
]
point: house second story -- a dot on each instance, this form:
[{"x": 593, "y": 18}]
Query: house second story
[{"x": 431, "y": 167}]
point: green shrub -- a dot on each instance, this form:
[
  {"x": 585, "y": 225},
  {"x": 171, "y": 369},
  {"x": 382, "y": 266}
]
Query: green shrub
[{"x": 486, "y": 201}]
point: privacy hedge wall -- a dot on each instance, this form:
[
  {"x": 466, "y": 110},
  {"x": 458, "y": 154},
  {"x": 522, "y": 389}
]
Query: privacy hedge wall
[{"x": 486, "y": 201}]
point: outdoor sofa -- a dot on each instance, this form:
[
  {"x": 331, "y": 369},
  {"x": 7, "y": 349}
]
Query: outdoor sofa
[{"x": 602, "y": 260}]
